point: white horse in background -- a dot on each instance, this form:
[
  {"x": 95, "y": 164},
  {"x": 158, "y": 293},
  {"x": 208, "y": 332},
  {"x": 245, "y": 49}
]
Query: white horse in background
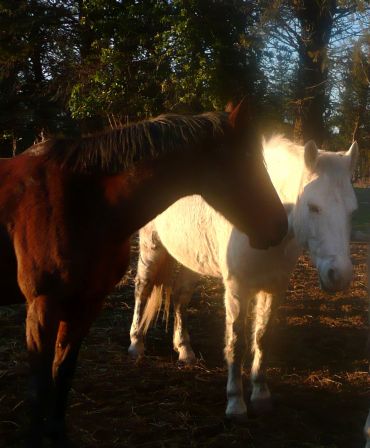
[{"x": 315, "y": 187}]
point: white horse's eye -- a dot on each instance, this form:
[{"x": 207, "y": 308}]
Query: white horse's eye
[{"x": 313, "y": 208}]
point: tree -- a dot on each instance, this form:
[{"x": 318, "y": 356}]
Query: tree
[
  {"x": 316, "y": 21},
  {"x": 119, "y": 73},
  {"x": 305, "y": 35},
  {"x": 353, "y": 118},
  {"x": 213, "y": 52},
  {"x": 33, "y": 47},
  {"x": 73, "y": 65},
  {"x": 165, "y": 55}
]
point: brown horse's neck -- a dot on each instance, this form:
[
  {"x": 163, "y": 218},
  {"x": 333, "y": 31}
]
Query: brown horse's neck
[{"x": 146, "y": 190}]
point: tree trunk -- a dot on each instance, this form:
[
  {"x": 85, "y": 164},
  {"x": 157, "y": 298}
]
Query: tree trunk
[
  {"x": 357, "y": 134},
  {"x": 86, "y": 35},
  {"x": 316, "y": 20}
]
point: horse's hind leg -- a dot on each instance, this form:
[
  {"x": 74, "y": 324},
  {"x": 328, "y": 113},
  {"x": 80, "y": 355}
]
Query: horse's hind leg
[
  {"x": 73, "y": 327},
  {"x": 41, "y": 330},
  {"x": 153, "y": 265},
  {"x": 183, "y": 289},
  {"x": 265, "y": 307},
  {"x": 235, "y": 347}
]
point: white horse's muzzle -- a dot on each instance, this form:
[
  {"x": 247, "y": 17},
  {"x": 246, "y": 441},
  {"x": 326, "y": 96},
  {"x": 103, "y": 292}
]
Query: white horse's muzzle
[{"x": 335, "y": 273}]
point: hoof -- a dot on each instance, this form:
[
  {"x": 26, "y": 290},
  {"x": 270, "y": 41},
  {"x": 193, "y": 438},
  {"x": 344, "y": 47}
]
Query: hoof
[
  {"x": 136, "y": 351},
  {"x": 63, "y": 443},
  {"x": 263, "y": 406},
  {"x": 34, "y": 436},
  {"x": 237, "y": 418},
  {"x": 56, "y": 432},
  {"x": 236, "y": 409},
  {"x": 34, "y": 442},
  {"x": 186, "y": 355},
  {"x": 187, "y": 360}
]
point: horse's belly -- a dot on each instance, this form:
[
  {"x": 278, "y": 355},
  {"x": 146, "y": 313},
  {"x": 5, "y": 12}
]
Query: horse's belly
[
  {"x": 191, "y": 251},
  {"x": 189, "y": 237},
  {"x": 271, "y": 276}
]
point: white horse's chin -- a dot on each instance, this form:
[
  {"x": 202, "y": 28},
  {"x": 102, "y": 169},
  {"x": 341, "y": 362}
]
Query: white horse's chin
[{"x": 335, "y": 272}]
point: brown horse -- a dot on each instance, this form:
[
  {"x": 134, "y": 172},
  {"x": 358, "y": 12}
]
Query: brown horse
[{"x": 68, "y": 208}]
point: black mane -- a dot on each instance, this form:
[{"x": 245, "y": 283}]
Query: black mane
[{"x": 113, "y": 151}]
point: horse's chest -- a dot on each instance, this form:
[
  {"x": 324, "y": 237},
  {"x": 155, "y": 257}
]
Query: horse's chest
[
  {"x": 265, "y": 270},
  {"x": 274, "y": 272}
]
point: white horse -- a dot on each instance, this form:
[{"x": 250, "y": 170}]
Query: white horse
[{"x": 315, "y": 187}]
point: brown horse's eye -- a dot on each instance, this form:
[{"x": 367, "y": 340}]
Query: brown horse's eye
[{"x": 314, "y": 208}]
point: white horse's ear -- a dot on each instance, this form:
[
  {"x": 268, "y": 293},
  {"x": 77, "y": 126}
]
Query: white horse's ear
[
  {"x": 310, "y": 154},
  {"x": 352, "y": 154}
]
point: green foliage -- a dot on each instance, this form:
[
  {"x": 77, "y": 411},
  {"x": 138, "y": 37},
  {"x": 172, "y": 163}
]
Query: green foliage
[
  {"x": 119, "y": 73},
  {"x": 175, "y": 55},
  {"x": 33, "y": 48},
  {"x": 67, "y": 65}
]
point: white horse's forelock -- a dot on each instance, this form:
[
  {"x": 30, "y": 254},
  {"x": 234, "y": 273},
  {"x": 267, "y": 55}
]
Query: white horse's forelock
[
  {"x": 290, "y": 176},
  {"x": 284, "y": 163}
]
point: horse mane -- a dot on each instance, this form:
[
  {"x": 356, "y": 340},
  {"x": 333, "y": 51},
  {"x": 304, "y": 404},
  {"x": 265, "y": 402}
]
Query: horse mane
[
  {"x": 118, "y": 149},
  {"x": 330, "y": 162},
  {"x": 279, "y": 140}
]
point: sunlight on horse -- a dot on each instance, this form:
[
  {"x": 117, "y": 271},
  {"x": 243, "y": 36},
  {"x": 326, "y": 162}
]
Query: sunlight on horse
[{"x": 315, "y": 187}]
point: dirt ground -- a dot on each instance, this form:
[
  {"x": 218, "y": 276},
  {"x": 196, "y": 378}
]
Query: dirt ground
[{"x": 318, "y": 375}]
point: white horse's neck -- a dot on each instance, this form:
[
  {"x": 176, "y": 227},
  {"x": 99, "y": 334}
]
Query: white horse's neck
[{"x": 286, "y": 167}]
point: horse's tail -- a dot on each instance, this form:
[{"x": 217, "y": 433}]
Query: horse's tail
[{"x": 160, "y": 296}]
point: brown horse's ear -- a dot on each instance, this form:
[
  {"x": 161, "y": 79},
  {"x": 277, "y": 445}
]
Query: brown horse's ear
[
  {"x": 229, "y": 107},
  {"x": 239, "y": 114}
]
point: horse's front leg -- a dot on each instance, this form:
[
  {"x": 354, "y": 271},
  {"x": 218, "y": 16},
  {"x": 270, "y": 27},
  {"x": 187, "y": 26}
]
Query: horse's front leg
[
  {"x": 182, "y": 292},
  {"x": 41, "y": 330},
  {"x": 235, "y": 349},
  {"x": 265, "y": 306}
]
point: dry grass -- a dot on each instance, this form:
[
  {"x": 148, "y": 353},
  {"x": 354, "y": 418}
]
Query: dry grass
[{"x": 318, "y": 374}]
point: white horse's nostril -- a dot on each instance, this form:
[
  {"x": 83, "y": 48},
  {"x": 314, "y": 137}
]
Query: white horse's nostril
[
  {"x": 336, "y": 278},
  {"x": 331, "y": 275},
  {"x": 335, "y": 272}
]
